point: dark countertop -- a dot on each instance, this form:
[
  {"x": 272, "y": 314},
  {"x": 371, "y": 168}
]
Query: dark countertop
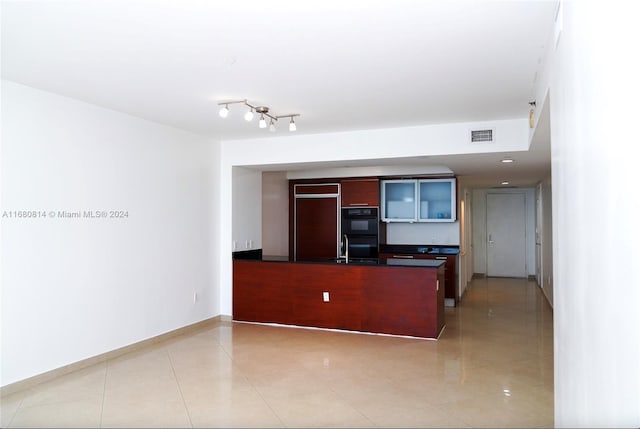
[
  {"x": 429, "y": 249},
  {"x": 421, "y": 263},
  {"x": 256, "y": 255}
]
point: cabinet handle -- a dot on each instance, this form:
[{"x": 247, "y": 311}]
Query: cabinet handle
[
  {"x": 358, "y": 204},
  {"x": 441, "y": 257},
  {"x": 403, "y": 256}
]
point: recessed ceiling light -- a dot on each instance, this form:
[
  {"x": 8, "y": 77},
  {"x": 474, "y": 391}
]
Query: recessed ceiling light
[
  {"x": 504, "y": 183},
  {"x": 506, "y": 160}
]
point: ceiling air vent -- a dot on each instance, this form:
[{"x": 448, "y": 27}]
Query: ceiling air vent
[{"x": 482, "y": 136}]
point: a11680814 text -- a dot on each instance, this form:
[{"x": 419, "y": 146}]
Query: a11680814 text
[{"x": 65, "y": 214}]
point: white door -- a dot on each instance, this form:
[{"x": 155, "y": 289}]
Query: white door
[{"x": 506, "y": 243}]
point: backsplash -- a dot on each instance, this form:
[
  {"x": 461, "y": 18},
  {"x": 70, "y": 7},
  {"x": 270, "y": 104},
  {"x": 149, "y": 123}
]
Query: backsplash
[{"x": 441, "y": 233}]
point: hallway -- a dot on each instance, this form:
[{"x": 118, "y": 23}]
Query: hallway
[{"x": 491, "y": 367}]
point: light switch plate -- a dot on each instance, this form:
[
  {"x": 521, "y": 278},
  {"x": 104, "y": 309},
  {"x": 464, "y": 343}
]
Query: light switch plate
[{"x": 325, "y": 296}]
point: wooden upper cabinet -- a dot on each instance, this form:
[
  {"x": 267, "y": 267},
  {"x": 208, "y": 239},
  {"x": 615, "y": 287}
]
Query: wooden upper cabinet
[
  {"x": 360, "y": 192},
  {"x": 315, "y": 188}
]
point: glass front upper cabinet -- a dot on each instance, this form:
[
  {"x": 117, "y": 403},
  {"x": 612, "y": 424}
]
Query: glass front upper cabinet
[
  {"x": 423, "y": 200},
  {"x": 437, "y": 200},
  {"x": 399, "y": 201}
]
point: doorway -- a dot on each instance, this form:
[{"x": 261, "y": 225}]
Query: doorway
[{"x": 506, "y": 235}]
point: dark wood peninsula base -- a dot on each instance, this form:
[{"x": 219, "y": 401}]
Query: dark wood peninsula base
[{"x": 387, "y": 299}]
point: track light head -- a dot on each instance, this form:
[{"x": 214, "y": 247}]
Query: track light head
[
  {"x": 224, "y": 111},
  {"x": 249, "y": 115},
  {"x": 292, "y": 125},
  {"x": 262, "y": 123}
]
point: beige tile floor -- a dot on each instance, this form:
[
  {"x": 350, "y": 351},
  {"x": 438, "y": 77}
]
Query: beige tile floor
[{"x": 492, "y": 367}]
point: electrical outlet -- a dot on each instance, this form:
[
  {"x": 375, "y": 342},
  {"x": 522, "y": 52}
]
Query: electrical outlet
[{"x": 325, "y": 296}]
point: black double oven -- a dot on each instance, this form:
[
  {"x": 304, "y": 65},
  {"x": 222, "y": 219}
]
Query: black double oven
[{"x": 360, "y": 232}]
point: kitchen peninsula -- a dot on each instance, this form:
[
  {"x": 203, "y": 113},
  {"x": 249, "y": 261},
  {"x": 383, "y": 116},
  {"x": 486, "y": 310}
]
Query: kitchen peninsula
[{"x": 387, "y": 296}]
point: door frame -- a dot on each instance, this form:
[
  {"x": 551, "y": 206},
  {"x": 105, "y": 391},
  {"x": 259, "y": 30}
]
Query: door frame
[{"x": 478, "y": 237}]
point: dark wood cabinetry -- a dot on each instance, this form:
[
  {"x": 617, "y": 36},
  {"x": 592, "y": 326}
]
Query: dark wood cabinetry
[
  {"x": 316, "y": 231},
  {"x": 360, "y": 192},
  {"x": 314, "y": 212},
  {"x": 313, "y": 220},
  {"x": 380, "y": 299},
  {"x": 316, "y": 188},
  {"x": 450, "y": 267}
]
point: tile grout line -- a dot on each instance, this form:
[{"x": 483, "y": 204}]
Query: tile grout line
[
  {"x": 15, "y": 412},
  {"x": 253, "y": 386},
  {"x": 104, "y": 391},
  {"x": 346, "y": 401},
  {"x": 265, "y": 401},
  {"x": 175, "y": 376}
]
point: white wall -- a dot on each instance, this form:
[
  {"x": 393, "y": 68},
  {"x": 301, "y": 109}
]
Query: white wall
[
  {"x": 381, "y": 170},
  {"x": 75, "y": 288},
  {"x": 480, "y": 227},
  {"x": 546, "y": 240},
  {"x": 512, "y": 135},
  {"x": 275, "y": 213},
  {"x": 594, "y": 88},
  {"x": 247, "y": 208}
]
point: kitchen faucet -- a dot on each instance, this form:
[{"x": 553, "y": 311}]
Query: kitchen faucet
[{"x": 346, "y": 249}]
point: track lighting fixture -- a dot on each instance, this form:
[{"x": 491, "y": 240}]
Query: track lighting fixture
[{"x": 262, "y": 110}]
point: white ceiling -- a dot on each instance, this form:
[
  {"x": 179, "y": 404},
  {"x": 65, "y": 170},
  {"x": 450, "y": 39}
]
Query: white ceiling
[{"x": 342, "y": 65}]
